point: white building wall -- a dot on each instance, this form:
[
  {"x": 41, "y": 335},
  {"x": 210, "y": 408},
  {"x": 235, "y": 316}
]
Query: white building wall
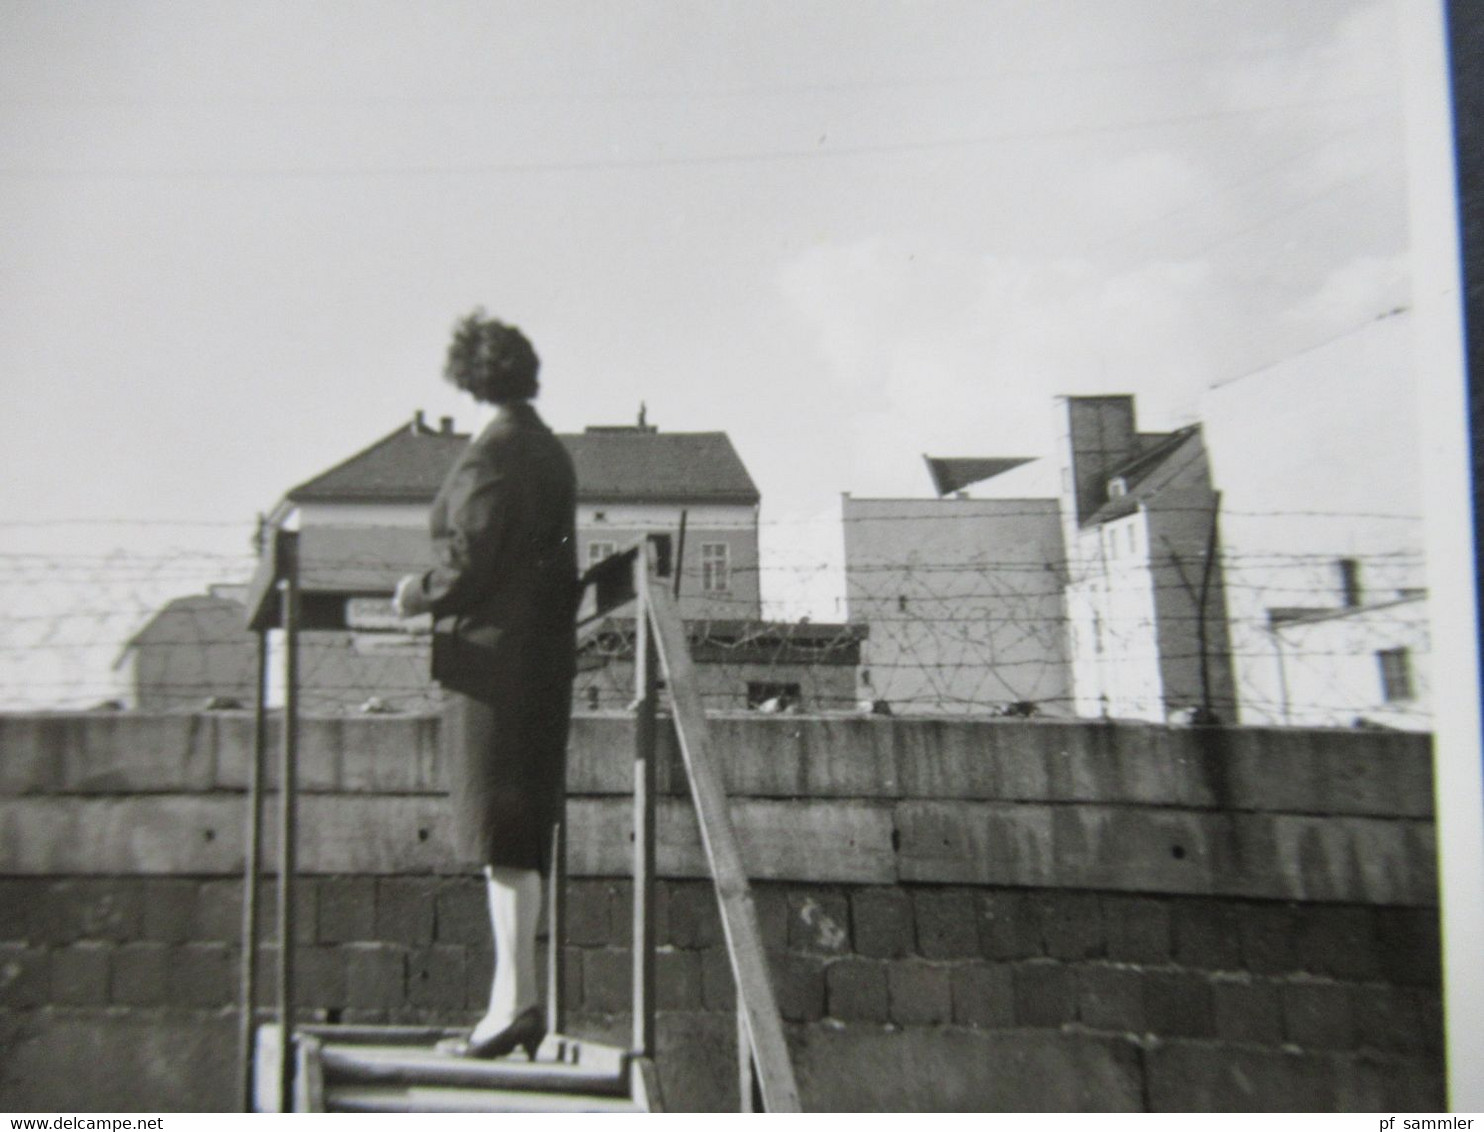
[
  {"x": 734, "y": 527},
  {"x": 1316, "y": 459},
  {"x": 1328, "y": 673},
  {"x": 963, "y": 600},
  {"x": 1115, "y": 645}
]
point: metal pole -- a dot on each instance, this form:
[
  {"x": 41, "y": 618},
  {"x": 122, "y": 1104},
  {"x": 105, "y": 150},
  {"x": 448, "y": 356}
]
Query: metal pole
[
  {"x": 288, "y": 548},
  {"x": 556, "y": 925},
  {"x": 646, "y": 678},
  {"x": 251, "y": 873}
]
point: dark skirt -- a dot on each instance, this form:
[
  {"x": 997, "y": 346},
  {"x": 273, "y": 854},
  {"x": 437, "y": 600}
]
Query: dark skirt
[{"x": 507, "y": 760}]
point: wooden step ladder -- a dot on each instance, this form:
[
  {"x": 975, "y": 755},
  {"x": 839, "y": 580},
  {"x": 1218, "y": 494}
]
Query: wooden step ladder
[
  {"x": 341, "y": 1068},
  {"x": 398, "y": 1069}
]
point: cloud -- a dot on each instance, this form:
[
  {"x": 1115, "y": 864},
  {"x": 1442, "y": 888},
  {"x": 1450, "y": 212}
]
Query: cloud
[
  {"x": 945, "y": 352},
  {"x": 1137, "y": 189},
  {"x": 1354, "y": 292}
]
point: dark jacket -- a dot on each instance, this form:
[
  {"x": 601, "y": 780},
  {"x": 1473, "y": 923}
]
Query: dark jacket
[{"x": 504, "y": 592}]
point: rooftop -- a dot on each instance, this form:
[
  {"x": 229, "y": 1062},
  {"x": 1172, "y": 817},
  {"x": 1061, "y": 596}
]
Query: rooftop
[
  {"x": 1155, "y": 468},
  {"x": 614, "y": 463}
]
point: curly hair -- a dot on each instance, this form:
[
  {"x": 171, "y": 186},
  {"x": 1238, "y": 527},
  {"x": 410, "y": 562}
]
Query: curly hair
[{"x": 491, "y": 361}]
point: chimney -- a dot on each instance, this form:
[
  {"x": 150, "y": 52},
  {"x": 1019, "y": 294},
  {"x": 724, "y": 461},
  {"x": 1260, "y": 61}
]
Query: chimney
[
  {"x": 445, "y": 425},
  {"x": 1100, "y": 435},
  {"x": 418, "y": 425}
]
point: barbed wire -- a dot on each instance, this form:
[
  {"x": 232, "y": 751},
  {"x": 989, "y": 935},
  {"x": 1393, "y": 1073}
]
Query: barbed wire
[{"x": 1284, "y": 636}]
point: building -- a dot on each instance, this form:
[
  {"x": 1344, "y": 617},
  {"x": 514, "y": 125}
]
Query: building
[
  {"x": 1262, "y": 566},
  {"x": 767, "y": 666},
  {"x": 1102, "y": 600},
  {"x": 1146, "y": 615},
  {"x": 633, "y": 481},
  {"x": 964, "y": 602},
  {"x": 1321, "y": 519},
  {"x": 194, "y": 653},
  {"x": 362, "y": 525}
]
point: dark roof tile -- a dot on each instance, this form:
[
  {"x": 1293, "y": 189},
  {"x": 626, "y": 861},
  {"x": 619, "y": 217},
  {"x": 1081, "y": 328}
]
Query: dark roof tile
[{"x": 617, "y": 464}]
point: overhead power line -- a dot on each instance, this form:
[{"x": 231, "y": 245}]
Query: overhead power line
[{"x": 810, "y": 153}]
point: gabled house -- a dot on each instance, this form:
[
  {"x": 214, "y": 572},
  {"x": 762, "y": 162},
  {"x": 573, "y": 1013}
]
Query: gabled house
[
  {"x": 363, "y": 523},
  {"x": 633, "y": 480}
]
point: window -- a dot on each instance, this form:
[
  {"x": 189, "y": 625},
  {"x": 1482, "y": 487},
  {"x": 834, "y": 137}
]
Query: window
[
  {"x": 1133, "y": 538},
  {"x": 771, "y": 697},
  {"x": 1396, "y": 674},
  {"x": 715, "y": 562},
  {"x": 598, "y": 550},
  {"x": 1349, "y": 582}
]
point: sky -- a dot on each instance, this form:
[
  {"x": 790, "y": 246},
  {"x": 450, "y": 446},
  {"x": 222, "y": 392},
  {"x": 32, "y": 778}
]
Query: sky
[{"x": 234, "y": 236}]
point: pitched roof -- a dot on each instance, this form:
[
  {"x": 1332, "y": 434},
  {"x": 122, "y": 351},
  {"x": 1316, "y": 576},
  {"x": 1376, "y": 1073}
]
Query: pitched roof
[
  {"x": 197, "y": 619},
  {"x": 613, "y": 464},
  {"x": 405, "y": 466},
  {"x": 1151, "y": 471},
  {"x": 643, "y": 464}
]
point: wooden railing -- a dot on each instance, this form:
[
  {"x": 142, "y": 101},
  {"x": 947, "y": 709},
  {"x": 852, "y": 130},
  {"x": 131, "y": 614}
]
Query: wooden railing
[
  {"x": 662, "y": 659},
  {"x": 631, "y": 580}
]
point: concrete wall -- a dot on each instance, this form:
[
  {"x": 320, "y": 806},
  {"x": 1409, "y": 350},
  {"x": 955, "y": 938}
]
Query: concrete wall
[{"x": 959, "y": 915}]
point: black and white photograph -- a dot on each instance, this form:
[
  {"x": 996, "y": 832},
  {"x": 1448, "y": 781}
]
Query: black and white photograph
[{"x": 662, "y": 556}]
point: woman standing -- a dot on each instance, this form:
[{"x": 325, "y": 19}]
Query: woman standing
[{"x": 503, "y": 596}]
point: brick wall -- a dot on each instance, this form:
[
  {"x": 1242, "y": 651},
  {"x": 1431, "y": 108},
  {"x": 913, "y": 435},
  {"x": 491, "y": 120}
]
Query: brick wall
[{"x": 906, "y": 987}]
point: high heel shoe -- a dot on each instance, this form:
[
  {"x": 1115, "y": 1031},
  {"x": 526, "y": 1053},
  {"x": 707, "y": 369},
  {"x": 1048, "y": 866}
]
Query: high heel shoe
[{"x": 528, "y": 1029}]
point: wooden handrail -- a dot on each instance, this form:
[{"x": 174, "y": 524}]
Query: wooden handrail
[
  {"x": 759, "y": 1026},
  {"x": 646, "y": 750}
]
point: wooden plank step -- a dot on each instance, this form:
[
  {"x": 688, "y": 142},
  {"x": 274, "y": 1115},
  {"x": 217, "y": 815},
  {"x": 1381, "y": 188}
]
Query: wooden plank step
[
  {"x": 341, "y": 1034},
  {"x": 434, "y": 1098},
  {"x": 593, "y": 1073}
]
